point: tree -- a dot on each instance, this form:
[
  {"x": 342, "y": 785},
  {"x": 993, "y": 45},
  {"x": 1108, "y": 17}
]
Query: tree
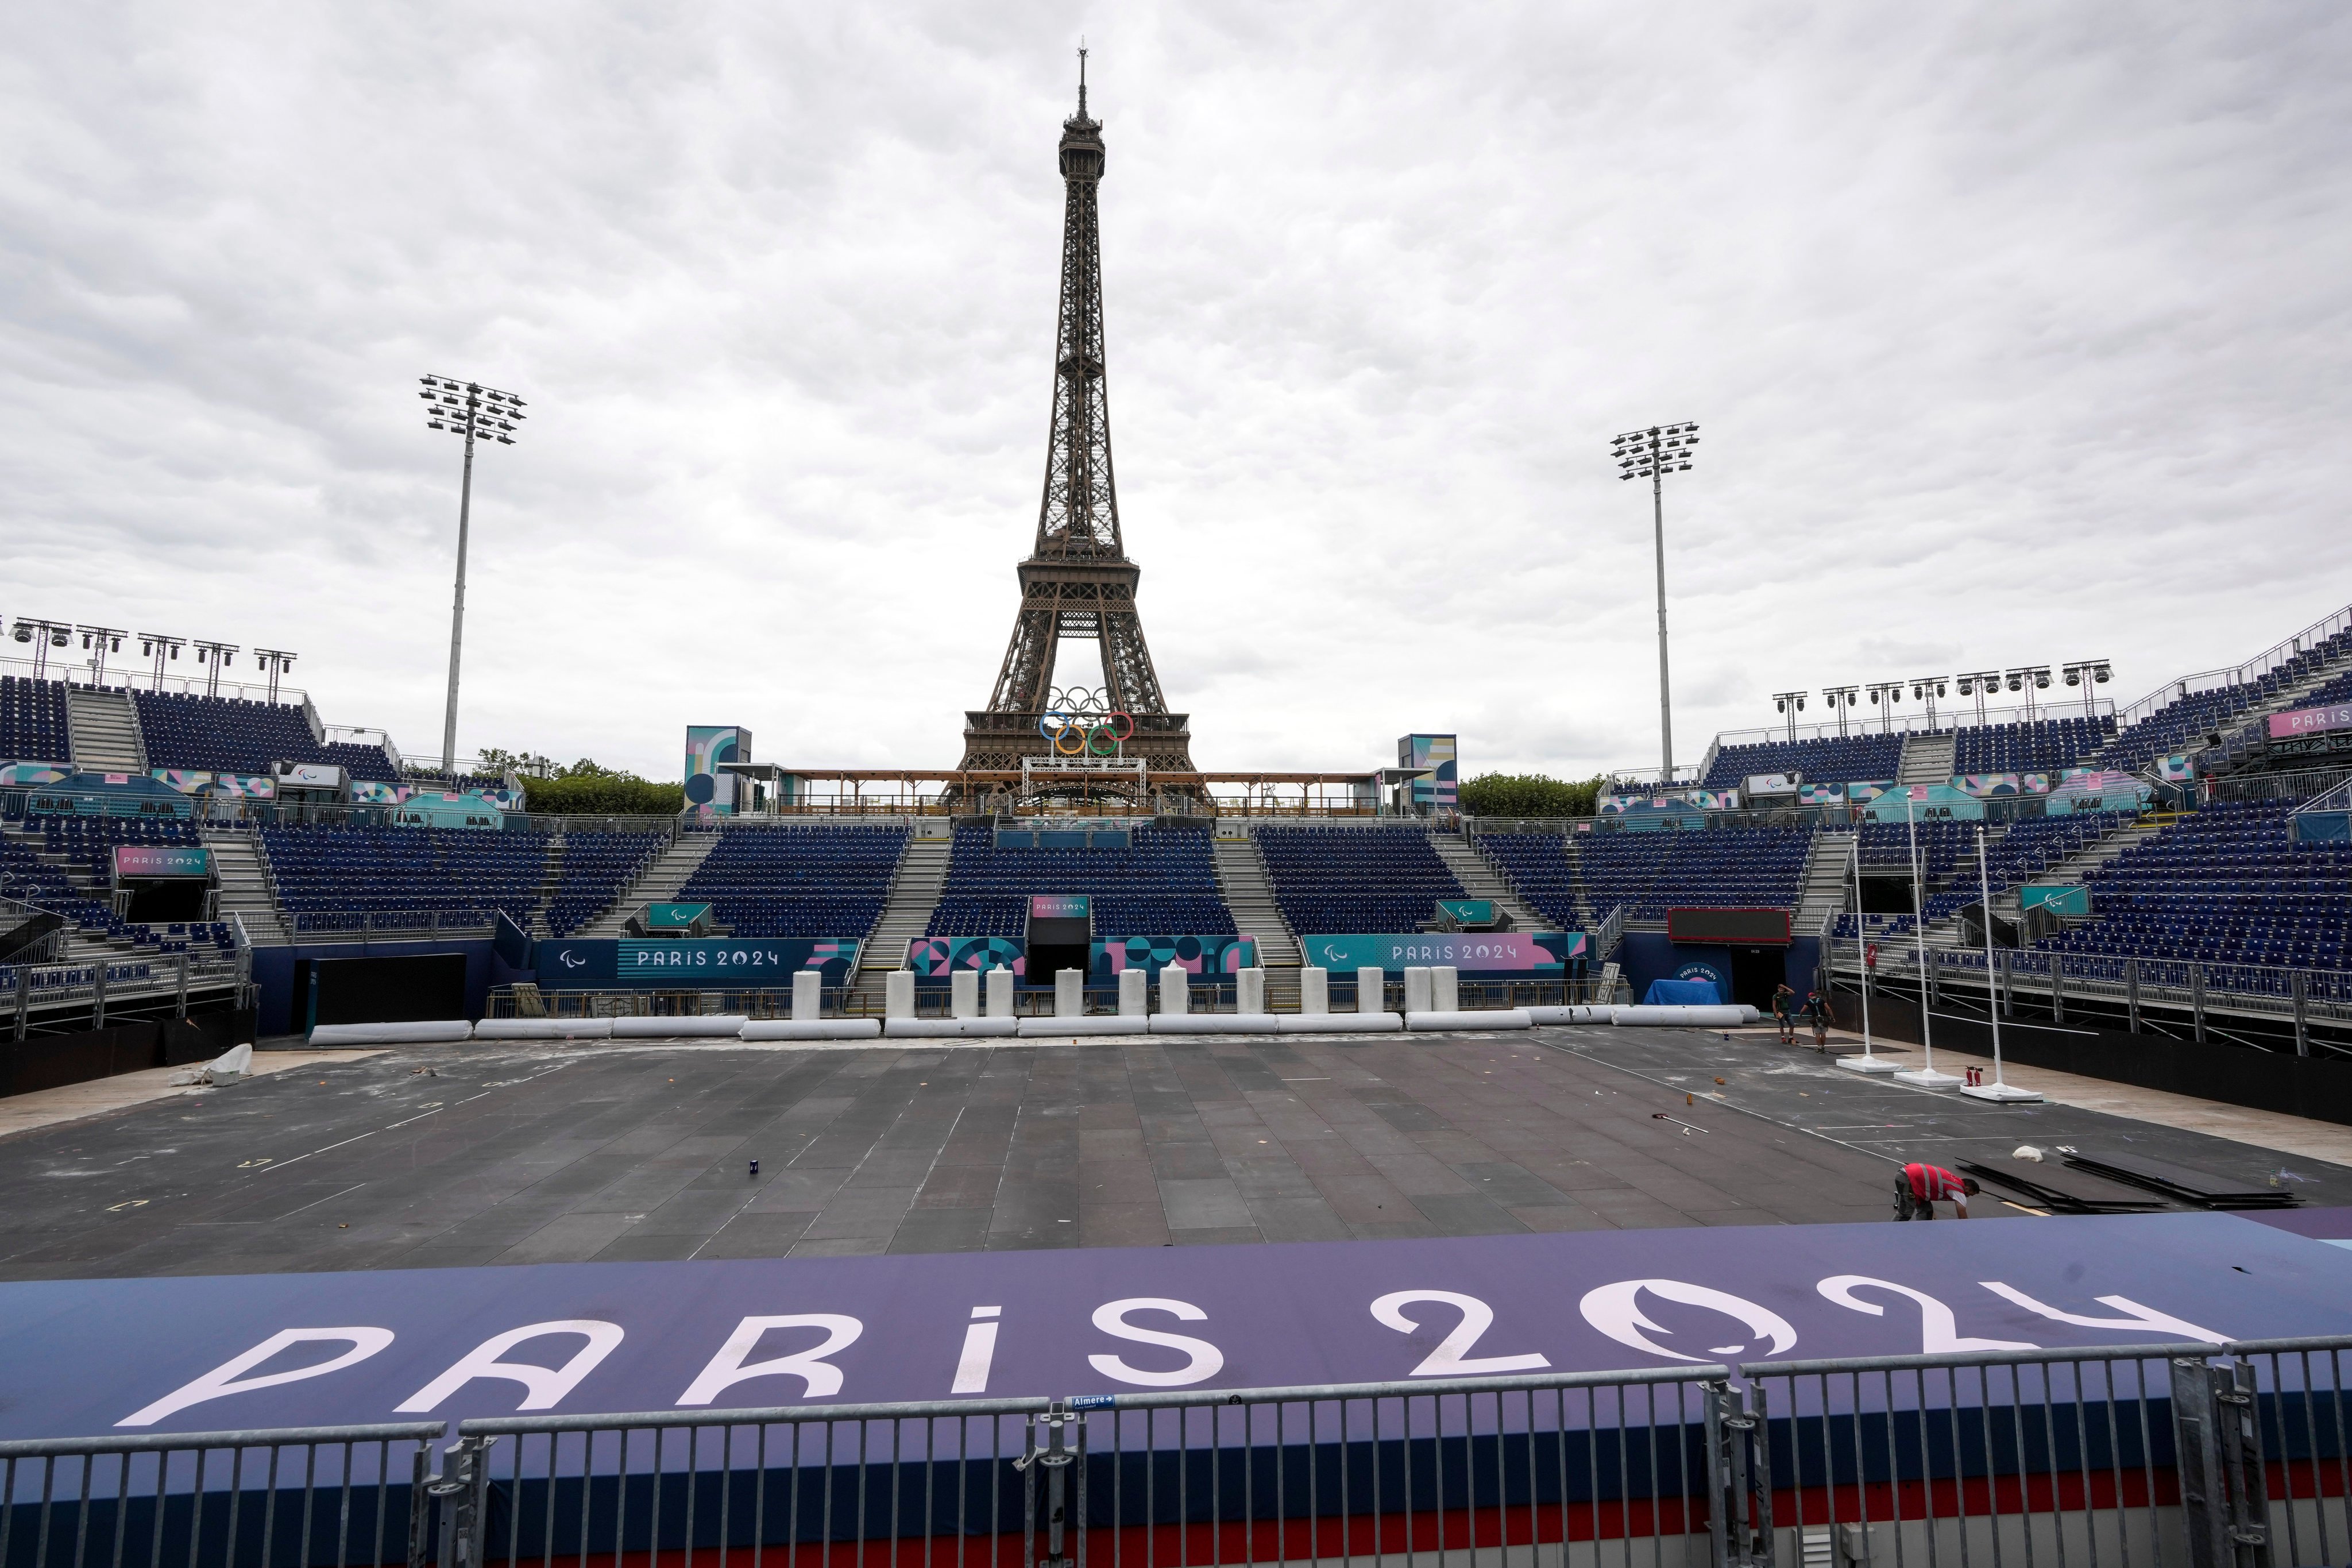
[{"x": 1530, "y": 794}]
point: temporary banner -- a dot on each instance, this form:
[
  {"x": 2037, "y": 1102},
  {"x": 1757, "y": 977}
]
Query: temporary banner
[
  {"x": 710, "y": 791},
  {"x": 935, "y": 958},
  {"x": 1468, "y": 911},
  {"x": 1499, "y": 956},
  {"x": 309, "y": 776},
  {"x": 1434, "y": 756},
  {"x": 1860, "y": 792},
  {"x": 1984, "y": 787},
  {"x": 1057, "y": 907},
  {"x": 2058, "y": 897},
  {"x": 108, "y": 795},
  {"x": 2177, "y": 768},
  {"x": 675, "y": 917},
  {"x": 433, "y": 808},
  {"x": 1926, "y": 803},
  {"x": 28, "y": 775},
  {"x": 141, "y": 861},
  {"x": 1821, "y": 794},
  {"x": 2099, "y": 789},
  {"x": 2310, "y": 720},
  {"x": 696, "y": 962},
  {"x": 1209, "y": 956},
  {"x": 235, "y": 786}
]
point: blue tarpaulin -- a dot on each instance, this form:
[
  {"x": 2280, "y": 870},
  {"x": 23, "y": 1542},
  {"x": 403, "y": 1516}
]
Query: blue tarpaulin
[{"x": 1698, "y": 993}]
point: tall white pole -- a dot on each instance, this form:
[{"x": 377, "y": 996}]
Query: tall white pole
[
  {"x": 457, "y": 608},
  {"x": 1665, "y": 703},
  {"x": 1926, "y": 1076},
  {"x": 1869, "y": 1061},
  {"x": 1996, "y": 1089}
]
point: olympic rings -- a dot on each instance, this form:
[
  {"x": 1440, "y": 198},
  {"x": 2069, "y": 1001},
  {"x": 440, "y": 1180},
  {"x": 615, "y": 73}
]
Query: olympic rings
[
  {"x": 1102, "y": 742},
  {"x": 1070, "y": 733},
  {"x": 1052, "y": 722}
]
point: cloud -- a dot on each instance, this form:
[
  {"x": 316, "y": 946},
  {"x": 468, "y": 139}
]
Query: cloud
[{"x": 2016, "y": 335}]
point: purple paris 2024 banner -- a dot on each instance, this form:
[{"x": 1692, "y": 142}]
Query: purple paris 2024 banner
[{"x": 93, "y": 1356}]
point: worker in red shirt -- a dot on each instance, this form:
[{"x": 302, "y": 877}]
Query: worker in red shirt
[{"x": 1918, "y": 1188}]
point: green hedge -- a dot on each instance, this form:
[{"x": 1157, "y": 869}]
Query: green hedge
[{"x": 1530, "y": 794}]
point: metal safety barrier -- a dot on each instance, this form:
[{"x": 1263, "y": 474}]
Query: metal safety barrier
[{"x": 2196, "y": 1454}]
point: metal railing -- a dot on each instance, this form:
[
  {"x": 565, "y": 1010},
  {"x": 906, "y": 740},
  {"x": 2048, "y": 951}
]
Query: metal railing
[
  {"x": 402, "y": 924},
  {"x": 133, "y": 677},
  {"x": 2200, "y": 1453},
  {"x": 2282, "y": 652},
  {"x": 1944, "y": 720}
]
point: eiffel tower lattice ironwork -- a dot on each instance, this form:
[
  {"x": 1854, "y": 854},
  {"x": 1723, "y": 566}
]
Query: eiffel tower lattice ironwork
[{"x": 1078, "y": 582}]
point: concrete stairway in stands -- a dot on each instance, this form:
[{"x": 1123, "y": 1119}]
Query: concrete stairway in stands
[
  {"x": 103, "y": 729},
  {"x": 1821, "y": 891},
  {"x": 1480, "y": 879},
  {"x": 906, "y": 913},
  {"x": 245, "y": 890},
  {"x": 1248, "y": 893},
  {"x": 656, "y": 884},
  {"x": 1927, "y": 757}
]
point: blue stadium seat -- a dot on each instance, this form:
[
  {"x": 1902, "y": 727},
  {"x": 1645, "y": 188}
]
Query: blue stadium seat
[
  {"x": 797, "y": 881},
  {"x": 1164, "y": 884},
  {"x": 1342, "y": 881}
]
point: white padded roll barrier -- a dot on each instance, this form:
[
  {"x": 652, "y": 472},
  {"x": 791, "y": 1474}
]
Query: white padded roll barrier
[
  {"x": 1249, "y": 991},
  {"x": 1070, "y": 1028},
  {"x": 948, "y": 1028},
  {"x": 813, "y": 1029},
  {"x": 963, "y": 994},
  {"x": 1371, "y": 990},
  {"x": 899, "y": 994},
  {"x": 1681, "y": 1016},
  {"x": 1314, "y": 991},
  {"x": 717, "y": 1026},
  {"x": 1337, "y": 1023},
  {"x": 1215, "y": 1023},
  {"x": 1134, "y": 993},
  {"x": 418, "y": 1034},
  {"x": 1493, "y": 1018},
  {"x": 1175, "y": 991},
  {"x": 1577, "y": 1013},
  {"x": 1749, "y": 1014},
  {"x": 999, "y": 993},
  {"x": 808, "y": 994},
  {"x": 1416, "y": 989},
  {"x": 1444, "y": 988},
  {"x": 543, "y": 1029}
]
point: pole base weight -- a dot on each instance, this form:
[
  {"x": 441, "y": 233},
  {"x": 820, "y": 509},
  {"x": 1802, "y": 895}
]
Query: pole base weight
[
  {"x": 2001, "y": 1093},
  {"x": 1929, "y": 1077},
  {"x": 1867, "y": 1064}
]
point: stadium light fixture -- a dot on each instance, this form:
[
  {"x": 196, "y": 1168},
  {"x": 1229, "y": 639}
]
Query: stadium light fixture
[
  {"x": 2029, "y": 679},
  {"x": 215, "y": 657},
  {"x": 160, "y": 648},
  {"x": 1842, "y": 700},
  {"x": 477, "y": 413},
  {"x": 2087, "y": 673},
  {"x": 1928, "y": 688},
  {"x": 98, "y": 642},
  {"x": 1791, "y": 703},
  {"x": 1978, "y": 684},
  {"x": 1884, "y": 696},
  {"x": 274, "y": 663},
  {"x": 1652, "y": 455},
  {"x": 44, "y": 635}
]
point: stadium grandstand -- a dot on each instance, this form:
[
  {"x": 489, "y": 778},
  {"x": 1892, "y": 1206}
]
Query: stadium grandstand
[{"x": 1162, "y": 882}]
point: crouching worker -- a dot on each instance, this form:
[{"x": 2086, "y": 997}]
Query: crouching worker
[{"x": 1919, "y": 1188}]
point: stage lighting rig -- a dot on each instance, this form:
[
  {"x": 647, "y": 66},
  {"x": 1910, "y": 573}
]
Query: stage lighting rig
[
  {"x": 1652, "y": 455},
  {"x": 1841, "y": 700},
  {"x": 1791, "y": 703},
  {"x": 98, "y": 642},
  {"x": 160, "y": 646},
  {"x": 2087, "y": 673},
  {"x": 477, "y": 413},
  {"x": 215, "y": 657},
  {"x": 274, "y": 663},
  {"x": 1884, "y": 696},
  {"x": 1978, "y": 684},
  {"x": 44, "y": 635},
  {"x": 1928, "y": 688},
  {"x": 2029, "y": 679}
]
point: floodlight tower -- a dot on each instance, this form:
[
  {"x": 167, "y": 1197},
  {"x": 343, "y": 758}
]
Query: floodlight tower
[
  {"x": 469, "y": 409},
  {"x": 274, "y": 663},
  {"x": 160, "y": 646},
  {"x": 1652, "y": 455},
  {"x": 100, "y": 641},
  {"x": 44, "y": 635},
  {"x": 1842, "y": 700},
  {"x": 1791, "y": 703},
  {"x": 1884, "y": 696},
  {"x": 215, "y": 657},
  {"x": 1978, "y": 684},
  {"x": 2029, "y": 679},
  {"x": 2087, "y": 673},
  {"x": 1929, "y": 688}
]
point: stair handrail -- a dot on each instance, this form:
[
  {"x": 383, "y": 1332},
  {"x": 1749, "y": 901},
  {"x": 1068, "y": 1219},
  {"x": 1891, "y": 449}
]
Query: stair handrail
[{"x": 2261, "y": 664}]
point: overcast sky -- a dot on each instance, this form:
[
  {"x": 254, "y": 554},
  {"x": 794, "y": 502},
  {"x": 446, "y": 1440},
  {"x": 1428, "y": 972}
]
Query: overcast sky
[{"x": 2017, "y": 332}]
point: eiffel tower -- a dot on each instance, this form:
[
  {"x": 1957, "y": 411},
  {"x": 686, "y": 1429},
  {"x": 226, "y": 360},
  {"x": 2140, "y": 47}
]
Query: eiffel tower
[{"x": 1078, "y": 582}]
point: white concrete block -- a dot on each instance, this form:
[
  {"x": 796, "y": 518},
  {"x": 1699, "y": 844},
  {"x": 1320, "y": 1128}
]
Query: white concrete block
[
  {"x": 1314, "y": 991},
  {"x": 899, "y": 994},
  {"x": 963, "y": 994},
  {"x": 1416, "y": 990},
  {"x": 813, "y": 1029},
  {"x": 1134, "y": 993},
  {"x": 1444, "y": 988},
  {"x": 1175, "y": 991},
  {"x": 1069, "y": 992},
  {"x": 999, "y": 993},
  {"x": 1249, "y": 991},
  {"x": 1371, "y": 990},
  {"x": 808, "y": 994},
  {"x": 1449, "y": 1023}
]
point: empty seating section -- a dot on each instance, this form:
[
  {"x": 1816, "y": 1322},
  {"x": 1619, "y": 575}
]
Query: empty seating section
[
  {"x": 1942, "y": 842},
  {"x": 228, "y": 735},
  {"x": 1536, "y": 865},
  {"x": 33, "y": 721},
  {"x": 1164, "y": 884},
  {"x": 1648, "y": 873},
  {"x": 87, "y": 845},
  {"x": 2043, "y": 746},
  {"x": 1834, "y": 759},
  {"x": 331, "y": 879},
  {"x": 2017, "y": 854},
  {"x": 592, "y": 869},
  {"x": 2224, "y": 885},
  {"x": 1339, "y": 880},
  {"x": 797, "y": 881},
  {"x": 2184, "y": 723}
]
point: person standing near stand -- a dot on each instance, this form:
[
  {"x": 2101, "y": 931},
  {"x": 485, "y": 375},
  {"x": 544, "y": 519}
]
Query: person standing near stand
[
  {"x": 1783, "y": 1004},
  {"x": 1818, "y": 1008}
]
